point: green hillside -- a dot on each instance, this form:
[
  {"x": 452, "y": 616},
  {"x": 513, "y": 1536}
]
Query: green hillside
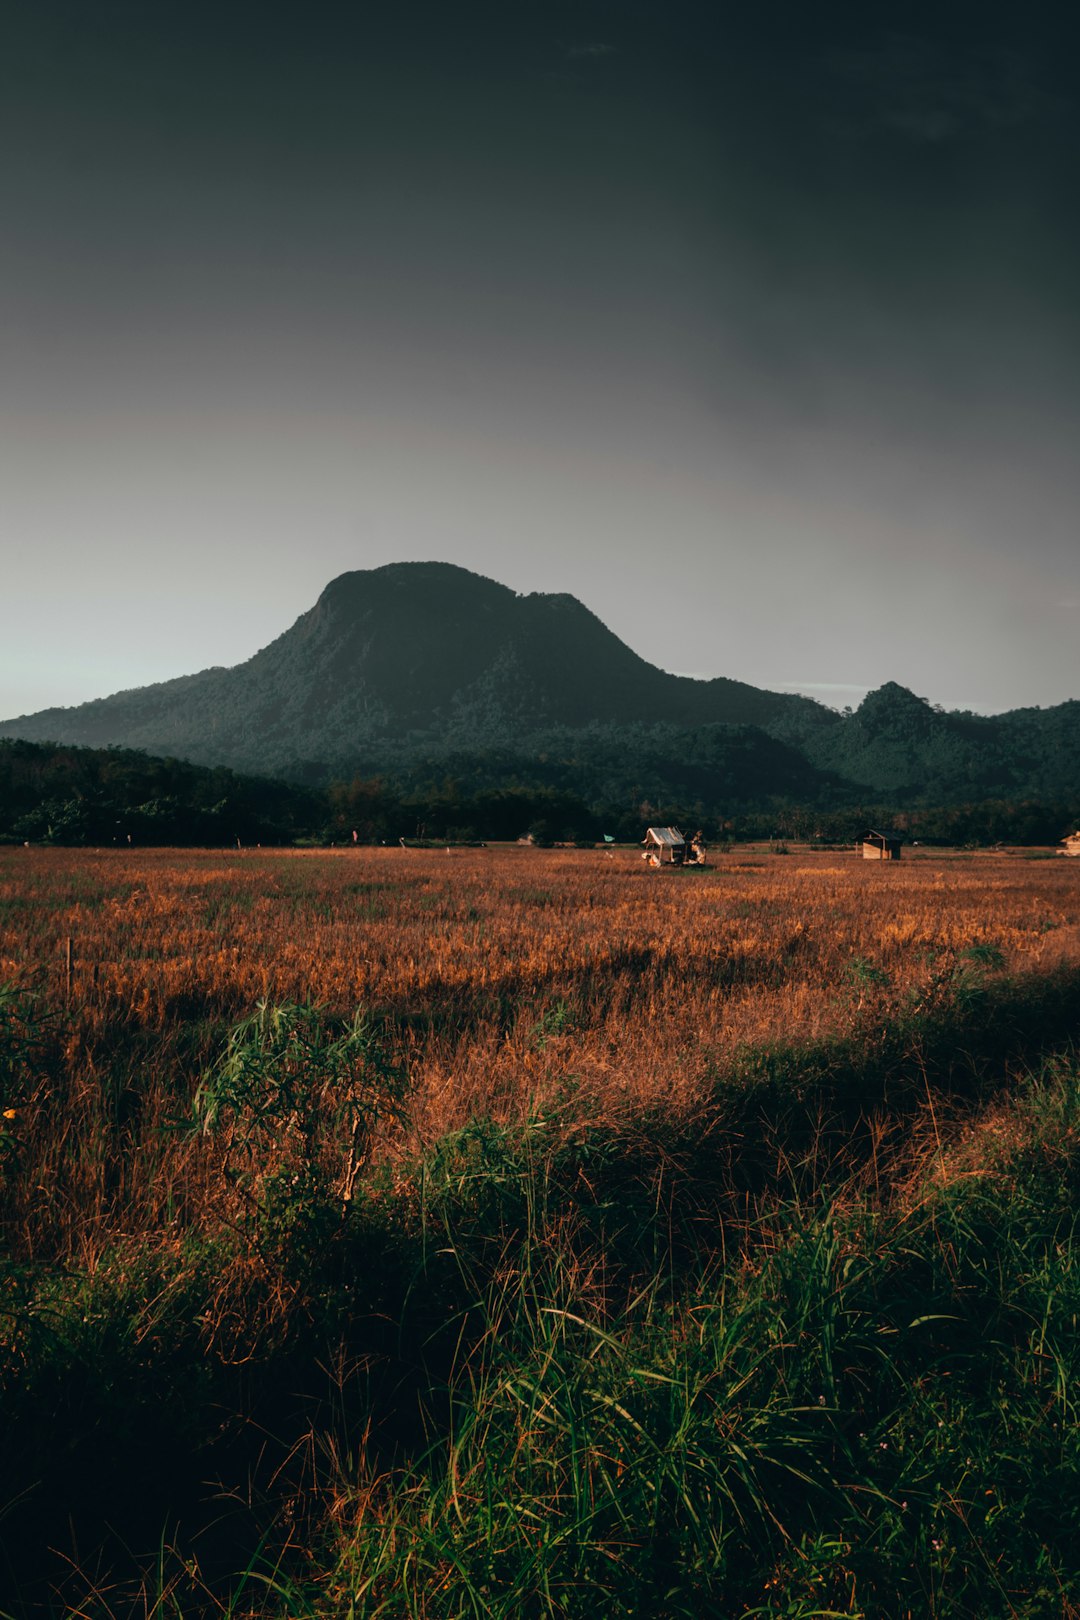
[{"x": 423, "y": 673}]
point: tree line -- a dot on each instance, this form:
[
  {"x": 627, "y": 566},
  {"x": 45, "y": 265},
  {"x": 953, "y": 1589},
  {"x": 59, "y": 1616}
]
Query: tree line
[{"x": 102, "y": 797}]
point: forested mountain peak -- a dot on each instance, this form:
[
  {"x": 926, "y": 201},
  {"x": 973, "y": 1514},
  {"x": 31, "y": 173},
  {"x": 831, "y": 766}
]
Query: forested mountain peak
[
  {"x": 422, "y": 649},
  {"x": 892, "y": 705},
  {"x": 422, "y": 671}
]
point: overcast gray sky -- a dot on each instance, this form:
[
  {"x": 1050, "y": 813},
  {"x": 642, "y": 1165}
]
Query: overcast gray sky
[{"x": 755, "y": 327}]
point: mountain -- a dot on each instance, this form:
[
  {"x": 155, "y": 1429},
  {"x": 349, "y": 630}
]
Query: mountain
[
  {"x": 425, "y": 673},
  {"x": 411, "y": 648},
  {"x": 903, "y": 748}
]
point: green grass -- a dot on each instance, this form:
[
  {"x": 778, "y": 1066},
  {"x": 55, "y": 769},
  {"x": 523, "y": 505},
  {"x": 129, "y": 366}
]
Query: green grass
[
  {"x": 555, "y": 1370},
  {"x": 857, "y": 1411}
]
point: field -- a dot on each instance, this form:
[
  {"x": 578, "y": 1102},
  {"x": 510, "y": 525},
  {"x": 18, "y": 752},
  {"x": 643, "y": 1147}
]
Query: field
[{"x": 520, "y": 1232}]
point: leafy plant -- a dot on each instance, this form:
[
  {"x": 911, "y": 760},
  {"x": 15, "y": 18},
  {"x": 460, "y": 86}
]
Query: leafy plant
[
  {"x": 556, "y": 1020},
  {"x": 864, "y": 975},
  {"x": 22, "y": 1028},
  {"x": 296, "y": 1101}
]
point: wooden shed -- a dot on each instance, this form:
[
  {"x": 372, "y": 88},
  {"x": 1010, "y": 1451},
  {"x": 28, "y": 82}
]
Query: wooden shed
[
  {"x": 664, "y": 844},
  {"x": 1070, "y": 845},
  {"x": 879, "y": 846}
]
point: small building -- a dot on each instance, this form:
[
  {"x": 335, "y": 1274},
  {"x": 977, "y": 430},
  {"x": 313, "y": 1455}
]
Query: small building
[
  {"x": 1070, "y": 845},
  {"x": 664, "y": 844},
  {"x": 879, "y": 846}
]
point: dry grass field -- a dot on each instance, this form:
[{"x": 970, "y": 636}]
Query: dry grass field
[
  {"x": 502, "y": 970},
  {"x": 601, "y": 1084}
]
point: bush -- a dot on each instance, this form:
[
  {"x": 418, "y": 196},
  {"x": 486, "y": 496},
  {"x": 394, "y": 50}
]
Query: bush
[{"x": 295, "y": 1102}]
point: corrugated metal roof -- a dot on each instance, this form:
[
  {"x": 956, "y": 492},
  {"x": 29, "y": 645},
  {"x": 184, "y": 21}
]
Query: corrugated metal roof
[{"x": 664, "y": 835}]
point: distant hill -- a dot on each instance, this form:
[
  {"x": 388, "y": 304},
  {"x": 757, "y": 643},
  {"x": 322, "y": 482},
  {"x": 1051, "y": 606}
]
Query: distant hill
[
  {"x": 65, "y": 795},
  {"x": 422, "y": 671},
  {"x": 409, "y": 648},
  {"x": 902, "y": 748}
]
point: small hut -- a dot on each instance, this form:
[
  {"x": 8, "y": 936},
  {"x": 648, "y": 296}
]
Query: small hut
[
  {"x": 879, "y": 846},
  {"x": 664, "y": 844},
  {"x": 1070, "y": 845}
]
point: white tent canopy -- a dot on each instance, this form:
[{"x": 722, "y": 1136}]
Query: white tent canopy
[{"x": 665, "y": 837}]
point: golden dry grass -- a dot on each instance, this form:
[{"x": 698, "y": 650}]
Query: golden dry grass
[{"x": 504, "y": 971}]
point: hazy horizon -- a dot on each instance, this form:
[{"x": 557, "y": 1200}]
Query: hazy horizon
[{"x": 754, "y": 330}]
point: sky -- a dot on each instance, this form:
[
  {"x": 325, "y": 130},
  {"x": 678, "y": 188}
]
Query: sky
[{"x": 754, "y": 327}]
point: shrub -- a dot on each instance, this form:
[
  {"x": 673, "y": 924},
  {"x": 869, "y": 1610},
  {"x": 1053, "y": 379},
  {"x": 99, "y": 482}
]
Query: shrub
[{"x": 295, "y": 1100}]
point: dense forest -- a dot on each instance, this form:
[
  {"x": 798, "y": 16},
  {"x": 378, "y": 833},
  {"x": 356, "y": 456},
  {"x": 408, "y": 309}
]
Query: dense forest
[
  {"x": 58, "y": 795},
  {"x": 82, "y": 796}
]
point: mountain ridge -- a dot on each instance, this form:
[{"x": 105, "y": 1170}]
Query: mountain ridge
[
  {"x": 409, "y": 646},
  {"x": 413, "y": 668}
]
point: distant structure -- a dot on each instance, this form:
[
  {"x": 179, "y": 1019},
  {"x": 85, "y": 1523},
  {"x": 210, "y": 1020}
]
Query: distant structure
[
  {"x": 1070, "y": 845},
  {"x": 664, "y": 844},
  {"x": 879, "y": 846}
]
